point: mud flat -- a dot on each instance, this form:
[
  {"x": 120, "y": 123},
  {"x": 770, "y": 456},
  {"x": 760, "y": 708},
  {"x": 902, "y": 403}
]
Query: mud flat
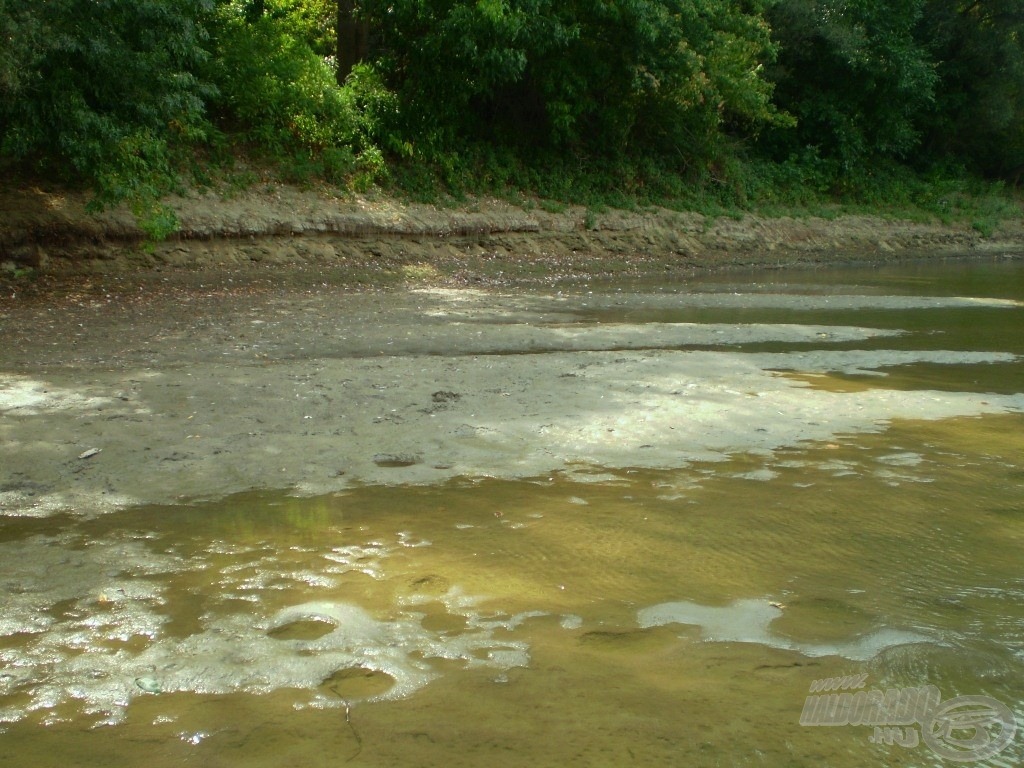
[{"x": 108, "y": 403}]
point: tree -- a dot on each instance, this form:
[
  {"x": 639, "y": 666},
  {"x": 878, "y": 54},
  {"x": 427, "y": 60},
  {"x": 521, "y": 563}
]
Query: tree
[
  {"x": 592, "y": 76},
  {"x": 854, "y": 76},
  {"x": 663, "y": 76},
  {"x": 978, "y": 116},
  {"x": 102, "y": 91},
  {"x": 277, "y": 95},
  {"x": 19, "y": 41},
  {"x": 353, "y": 36}
]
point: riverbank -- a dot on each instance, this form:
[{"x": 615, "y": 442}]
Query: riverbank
[
  {"x": 124, "y": 391},
  {"x": 379, "y": 241},
  {"x": 254, "y": 350},
  {"x": 258, "y": 489}
]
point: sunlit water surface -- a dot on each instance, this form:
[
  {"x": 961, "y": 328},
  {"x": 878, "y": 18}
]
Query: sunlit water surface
[{"x": 611, "y": 617}]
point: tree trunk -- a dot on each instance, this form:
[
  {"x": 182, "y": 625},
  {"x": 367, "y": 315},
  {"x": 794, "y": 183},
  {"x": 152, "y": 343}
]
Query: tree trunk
[
  {"x": 353, "y": 39},
  {"x": 254, "y": 11}
]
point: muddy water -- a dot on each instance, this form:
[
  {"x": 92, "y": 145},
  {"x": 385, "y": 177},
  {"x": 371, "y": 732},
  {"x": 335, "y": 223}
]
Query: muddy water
[{"x": 589, "y": 615}]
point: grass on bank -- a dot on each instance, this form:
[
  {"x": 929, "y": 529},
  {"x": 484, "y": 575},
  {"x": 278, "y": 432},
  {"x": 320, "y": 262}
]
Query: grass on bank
[{"x": 730, "y": 189}]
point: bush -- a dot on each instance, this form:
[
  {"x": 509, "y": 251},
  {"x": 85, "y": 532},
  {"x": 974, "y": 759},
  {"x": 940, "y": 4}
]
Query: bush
[
  {"x": 579, "y": 78},
  {"x": 277, "y": 95},
  {"x": 104, "y": 92},
  {"x": 854, "y": 76}
]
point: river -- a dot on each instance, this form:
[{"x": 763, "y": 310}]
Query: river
[{"x": 621, "y": 524}]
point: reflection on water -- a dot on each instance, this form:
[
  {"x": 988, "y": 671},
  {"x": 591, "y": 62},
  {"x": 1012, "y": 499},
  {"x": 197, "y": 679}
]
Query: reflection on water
[
  {"x": 473, "y": 622},
  {"x": 749, "y": 621},
  {"x": 625, "y": 617}
]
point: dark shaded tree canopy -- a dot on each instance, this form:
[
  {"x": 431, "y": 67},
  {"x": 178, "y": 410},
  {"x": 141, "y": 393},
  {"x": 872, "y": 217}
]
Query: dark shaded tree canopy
[{"x": 118, "y": 94}]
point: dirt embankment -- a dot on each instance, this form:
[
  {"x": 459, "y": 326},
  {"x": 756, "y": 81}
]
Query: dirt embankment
[{"x": 377, "y": 239}]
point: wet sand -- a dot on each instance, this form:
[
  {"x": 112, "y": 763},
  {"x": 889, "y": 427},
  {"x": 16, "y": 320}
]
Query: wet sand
[{"x": 108, "y": 401}]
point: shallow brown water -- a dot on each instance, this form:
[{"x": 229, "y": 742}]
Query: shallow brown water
[{"x": 603, "y": 617}]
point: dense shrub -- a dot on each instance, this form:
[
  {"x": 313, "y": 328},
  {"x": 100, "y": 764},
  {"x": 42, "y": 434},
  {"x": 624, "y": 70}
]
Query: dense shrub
[
  {"x": 275, "y": 93},
  {"x": 702, "y": 102},
  {"x": 579, "y": 76},
  {"x": 104, "y": 91},
  {"x": 853, "y": 75}
]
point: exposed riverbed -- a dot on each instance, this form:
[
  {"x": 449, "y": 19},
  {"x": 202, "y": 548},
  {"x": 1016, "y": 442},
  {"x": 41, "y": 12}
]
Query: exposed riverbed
[{"x": 596, "y": 525}]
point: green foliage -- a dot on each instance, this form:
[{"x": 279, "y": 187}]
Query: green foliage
[
  {"x": 117, "y": 94},
  {"x": 978, "y": 117},
  {"x": 309, "y": 20},
  {"x": 272, "y": 87},
  {"x": 20, "y": 29},
  {"x": 552, "y": 178},
  {"x": 663, "y": 77},
  {"x": 441, "y": 56},
  {"x": 583, "y": 77},
  {"x": 275, "y": 93},
  {"x": 104, "y": 91},
  {"x": 853, "y": 75},
  {"x": 713, "y": 105},
  {"x": 806, "y": 185}
]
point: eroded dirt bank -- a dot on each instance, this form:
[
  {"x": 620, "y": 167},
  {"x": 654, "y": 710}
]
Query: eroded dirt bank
[{"x": 376, "y": 240}]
